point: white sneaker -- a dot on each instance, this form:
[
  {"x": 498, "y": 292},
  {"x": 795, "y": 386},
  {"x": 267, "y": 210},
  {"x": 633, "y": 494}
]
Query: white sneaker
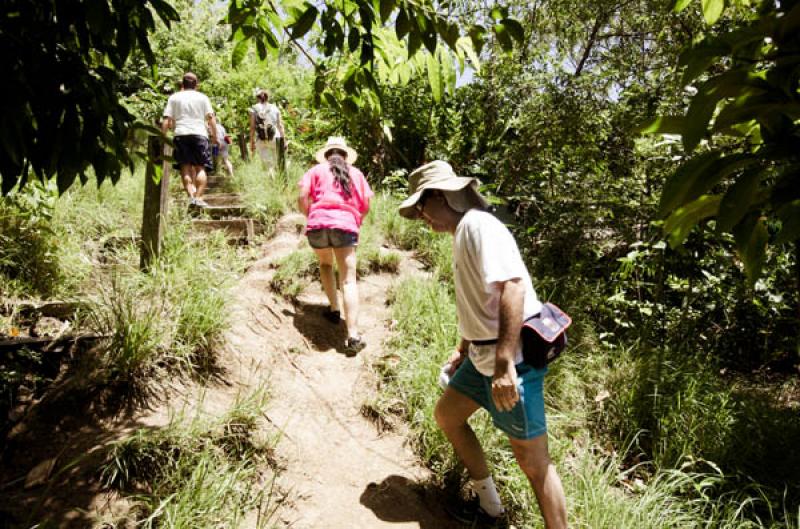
[{"x": 200, "y": 202}]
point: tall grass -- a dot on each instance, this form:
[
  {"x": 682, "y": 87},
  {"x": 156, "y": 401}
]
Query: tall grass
[
  {"x": 607, "y": 481},
  {"x": 29, "y": 264},
  {"x": 294, "y": 273},
  {"x": 267, "y": 196},
  {"x": 198, "y": 472},
  {"x": 433, "y": 249}
]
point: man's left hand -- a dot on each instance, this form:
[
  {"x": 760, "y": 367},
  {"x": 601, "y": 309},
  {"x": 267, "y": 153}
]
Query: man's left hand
[{"x": 504, "y": 387}]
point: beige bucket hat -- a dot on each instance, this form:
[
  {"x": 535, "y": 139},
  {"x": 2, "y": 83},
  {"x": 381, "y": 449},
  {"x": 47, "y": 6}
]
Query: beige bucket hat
[
  {"x": 461, "y": 192},
  {"x": 337, "y": 142}
]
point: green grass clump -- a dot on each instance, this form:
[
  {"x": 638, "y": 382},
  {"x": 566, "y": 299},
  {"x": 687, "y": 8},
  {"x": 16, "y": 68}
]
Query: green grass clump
[
  {"x": 294, "y": 273},
  {"x": 267, "y": 197},
  {"x": 170, "y": 318},
  {"x": 29, "y": 260},
  {"x": 433, "y": 249},
  {"x": 199, "y": 473}
]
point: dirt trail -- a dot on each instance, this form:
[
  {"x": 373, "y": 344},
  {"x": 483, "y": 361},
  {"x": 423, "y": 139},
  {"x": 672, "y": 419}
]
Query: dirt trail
[{"x": 341, "y": 471}]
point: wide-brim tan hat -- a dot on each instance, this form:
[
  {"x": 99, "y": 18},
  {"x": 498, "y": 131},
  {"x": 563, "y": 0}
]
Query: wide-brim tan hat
[
  {"x": 337, "y": 142},
  {"x": 461, "y": 192}
]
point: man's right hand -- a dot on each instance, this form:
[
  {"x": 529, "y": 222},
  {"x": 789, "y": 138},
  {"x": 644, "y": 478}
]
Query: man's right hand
[{"x": 455, "y": 360}]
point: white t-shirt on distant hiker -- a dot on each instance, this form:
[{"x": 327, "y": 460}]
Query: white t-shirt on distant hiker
[
  {"x": 485, "y": 254},
  {"x": 272, "y": 113},
  {"x": 189, "y": 109}
]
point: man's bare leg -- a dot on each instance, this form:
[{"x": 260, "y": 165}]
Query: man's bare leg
[
  {"x": 187, "y": 178},
  {"x": 200, "y": 181},
  {"x": 534, "y": 459},
  {"x": 451, "y": 414}
]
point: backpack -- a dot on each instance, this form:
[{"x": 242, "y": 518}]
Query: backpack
[{"x": 264, "y": 126}]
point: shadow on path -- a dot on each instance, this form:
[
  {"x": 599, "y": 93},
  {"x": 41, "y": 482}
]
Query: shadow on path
[
  {"x": 398, "y": 499},
  {"x": 323, "y": 335}
]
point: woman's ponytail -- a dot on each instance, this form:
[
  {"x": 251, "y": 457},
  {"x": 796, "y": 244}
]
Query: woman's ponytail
[{"x": 340, "y": 172}]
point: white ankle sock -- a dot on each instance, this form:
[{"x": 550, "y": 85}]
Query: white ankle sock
[{"x": 489, "y": 499}]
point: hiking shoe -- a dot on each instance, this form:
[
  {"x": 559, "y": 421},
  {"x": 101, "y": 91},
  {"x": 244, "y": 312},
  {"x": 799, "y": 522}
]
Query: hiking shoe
[
  {"x": 354, "y": 344},
  {"x": 200, "y": 202},
  {"x": 333, "y": 316},
  {"x": 472, "y": 515}
]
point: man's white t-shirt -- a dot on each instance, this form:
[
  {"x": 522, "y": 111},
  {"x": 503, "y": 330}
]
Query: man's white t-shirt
[
  {"x": 485, "y": 254},
  {"x": 272, "y": 115},
  {"x": 189, "y": 109}
]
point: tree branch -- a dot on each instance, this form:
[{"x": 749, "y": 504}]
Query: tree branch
[{"x": 588, "y": 50}]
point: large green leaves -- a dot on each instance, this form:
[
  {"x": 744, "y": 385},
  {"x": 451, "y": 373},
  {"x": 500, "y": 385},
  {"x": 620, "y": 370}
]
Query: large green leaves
[
  {"x": 749, "y": 103},
  {"x": 349, "y": 27},
  {"x": 61, "y": 113},
  {"x": 712, "y": 10}
]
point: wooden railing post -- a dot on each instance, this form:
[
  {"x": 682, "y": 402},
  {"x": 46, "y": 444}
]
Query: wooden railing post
[
  {"x": 154, "y": 212},
  {"x": 241, "y": 139}
]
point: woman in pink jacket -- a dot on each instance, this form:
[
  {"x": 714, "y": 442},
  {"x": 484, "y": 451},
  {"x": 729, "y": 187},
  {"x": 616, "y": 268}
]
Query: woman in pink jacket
[{"x": 335, "y": 197}]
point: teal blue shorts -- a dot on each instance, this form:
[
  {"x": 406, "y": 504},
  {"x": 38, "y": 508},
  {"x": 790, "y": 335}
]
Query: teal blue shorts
[{"x": 525, "y": 420}]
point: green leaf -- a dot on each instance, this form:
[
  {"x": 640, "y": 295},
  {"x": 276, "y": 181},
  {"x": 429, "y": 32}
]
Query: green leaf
[
  {"x": 747, "y": 110},
  {"x": 303, "y": 24},
  {"x": 387, "y": 6},
  {"x": 678, "y": 184},
  {"x": 414, "y": 44},
  {"x": 751, "y": 238},
  {"x": 662, "y": 125},
  {"x": 402, "y": 25},
  {"x": 736, "y": 202},
  {"x": 239, "y": 52},
  {"x": 514, "y": 29},
  {"x": 712, "y": 10},
  {"x": 465, "y": 44},
  {"x": 434, "y": 77},
  {"x": 449, "y": 33},
  {"x": 353, "y": 39},
  {"x": 477, "y": 34},
  {"x": 680, "y": 223},
  {"x": 429, "y": 38},
  {"x": 499, "y": 13},
  {"x": 503, "y": 37},
  {"x": 697, "y": 117},
  {"x": 712, "y": 174},
  {"x": 680, "y": 5},
  {"x": 790, "y": 222}
]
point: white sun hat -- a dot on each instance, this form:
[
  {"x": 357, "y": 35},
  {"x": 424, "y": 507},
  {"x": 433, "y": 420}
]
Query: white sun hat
[
  {"x": 337, "y": 142},
  {"x": 461, "y": 192}
]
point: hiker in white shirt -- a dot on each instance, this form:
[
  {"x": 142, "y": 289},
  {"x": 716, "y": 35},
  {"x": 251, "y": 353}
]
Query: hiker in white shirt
[
  {"x": 267, "y": 135},
  {"x": 187, "y": 112},
  {"x": 494, "y": 295}
]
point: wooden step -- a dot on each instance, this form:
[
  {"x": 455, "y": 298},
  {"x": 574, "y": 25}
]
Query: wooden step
[
  {"x": 223, "y": 199},
  {"x": 220, "y": 212},
  {"x": 240, "y": 230},
  {"x": 215, "y": 179}
]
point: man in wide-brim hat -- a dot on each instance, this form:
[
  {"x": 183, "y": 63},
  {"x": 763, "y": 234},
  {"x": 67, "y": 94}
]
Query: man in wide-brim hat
[{"x": 494, "y": 295}]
